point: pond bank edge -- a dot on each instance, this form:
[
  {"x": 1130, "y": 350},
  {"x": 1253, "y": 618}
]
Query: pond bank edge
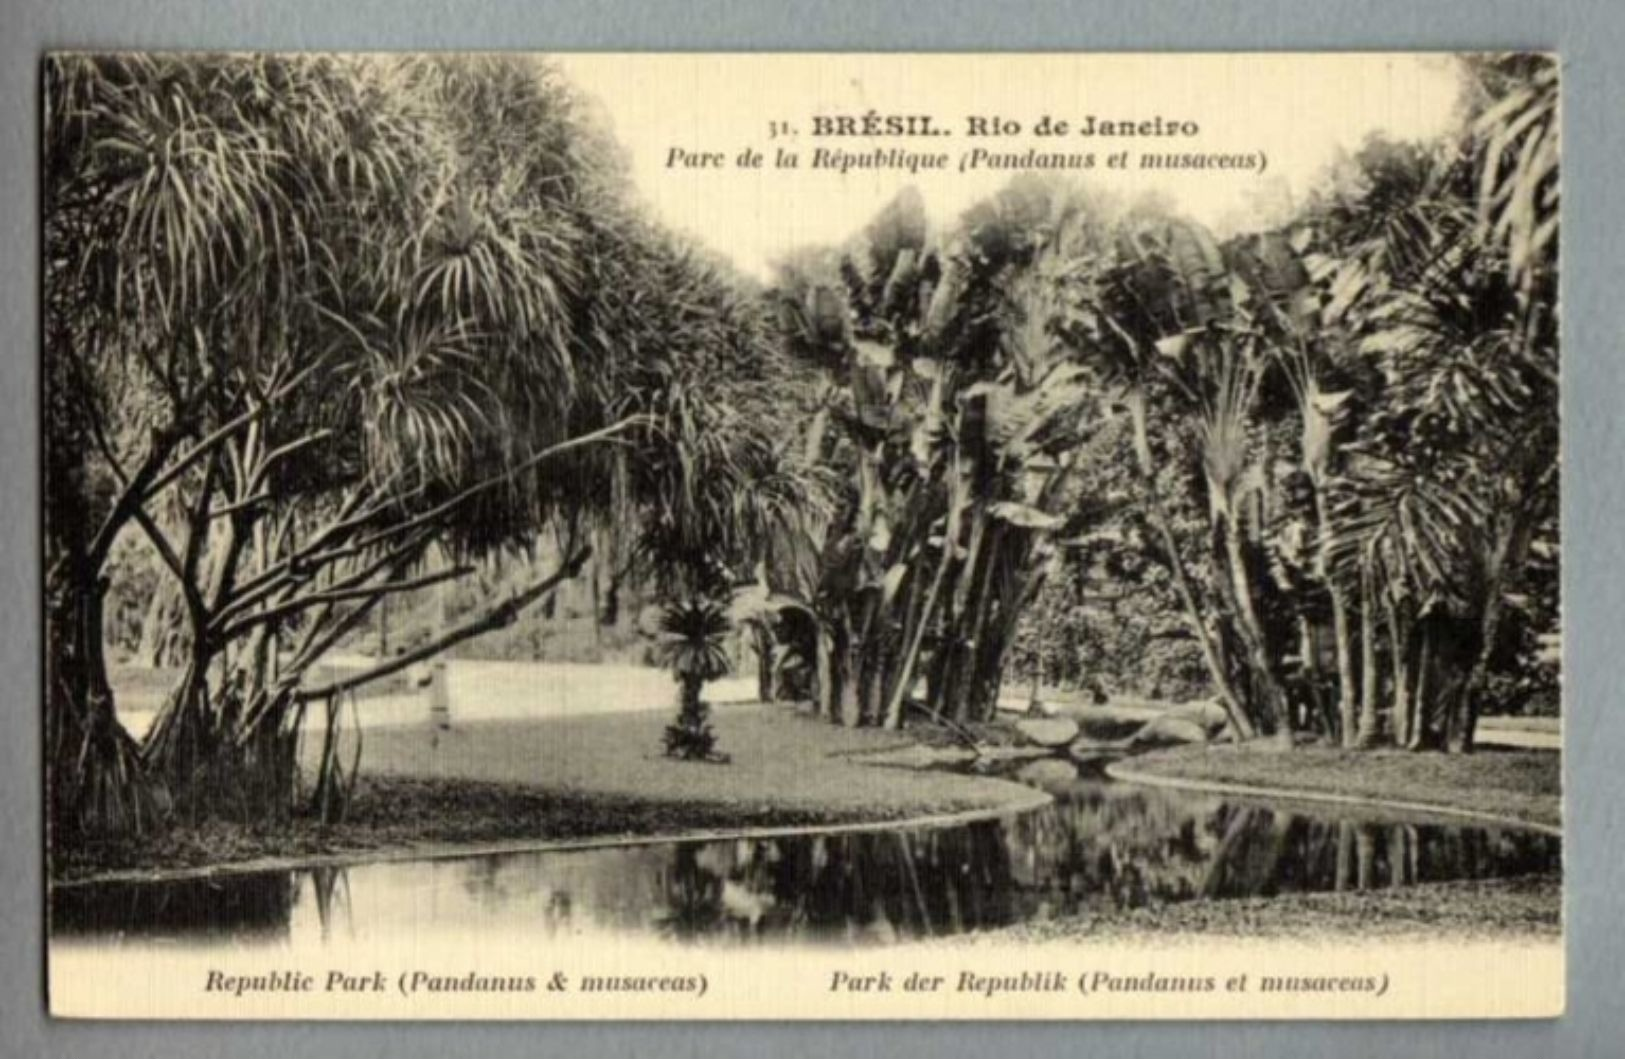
[
  {"x": 1117, "y": 771},
  {"x": 1033, "y": 799}
]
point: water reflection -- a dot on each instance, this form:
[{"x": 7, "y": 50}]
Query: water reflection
[{"x": 1101, "y": 846}]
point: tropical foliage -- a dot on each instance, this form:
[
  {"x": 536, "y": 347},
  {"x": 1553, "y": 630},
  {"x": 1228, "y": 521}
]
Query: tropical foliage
[
  {"x": 1340, "y": 434},
  {"x": 953, "y": 419},
  {"x": 320, "y": 331}
]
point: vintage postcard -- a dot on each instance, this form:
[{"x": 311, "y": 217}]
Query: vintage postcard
[{"x": 802, "y": 536}]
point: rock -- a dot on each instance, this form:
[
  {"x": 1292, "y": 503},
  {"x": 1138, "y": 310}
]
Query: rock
[
  {"x": 1048, "y": 773},
  {"x": 1108, "y": 729},
  {"x": 1169, "y": 730},
  {"x": 1048, "y": 731},
  {"x": 1210, "y": 715}
]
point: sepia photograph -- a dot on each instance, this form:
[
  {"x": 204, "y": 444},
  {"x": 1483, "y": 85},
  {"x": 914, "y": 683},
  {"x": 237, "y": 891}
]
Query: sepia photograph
[{"x": 841, "y": 536}]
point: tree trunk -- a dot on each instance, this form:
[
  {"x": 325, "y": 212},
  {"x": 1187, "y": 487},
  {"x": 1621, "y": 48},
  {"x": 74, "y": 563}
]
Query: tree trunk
[
  {"x": 1419, "y": 695},
  {"x": 850, "y": 704},
  {"x": 1365, "y": 854},
  {"x": 1277, "y": 713},
  {"x": 987, "y": 646},
  {"x": 161, "y": 639},
  {"x": 1398, "y": 855},
  {"x": 1505, "y": 559},
  {"x": 1240, "y": 723},
  {"x": 1370, "y": 681},
  {"x": 904, "y": 678},
  {"x": 598, "y": 622},
  {"x": 1346, "y": 857},
  {"x": 1399, "y": 660},
  {"x": 1343, "y": 651},
  {"x": 965, "y": 601},
  {"x": 764, "y": 663},
  {"x": 180, "y": 745},
  {"x": 824, "y": 671},
  {"x": 1342, "y": 633},
  {"x": 876, "y": 673},
  {"x": 96, "y": 782},
  {"x": 1316, "y": 708}
]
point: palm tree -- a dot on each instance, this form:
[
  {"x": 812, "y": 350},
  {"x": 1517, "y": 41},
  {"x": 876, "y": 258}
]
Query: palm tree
[
  {"x": 693, "y": 634},
  {"x": 1441, "y": 268}
]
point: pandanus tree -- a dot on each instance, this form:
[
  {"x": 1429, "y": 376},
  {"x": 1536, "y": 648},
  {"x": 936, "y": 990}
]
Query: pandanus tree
[
  {"x": 437, "y": 322},
  {"x": 182, "y": 201},
  {"x": 725, "y": 480},
  {"x": 337, "y": 317}
]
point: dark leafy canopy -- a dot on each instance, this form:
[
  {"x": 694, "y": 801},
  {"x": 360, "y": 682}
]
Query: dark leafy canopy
[
  {"x": 225, "y": 219},
  {"x": 312, "y": 320},
  {"x": 440, "y": 237},
  {"x": 945, "y": 411},
  {"x": 1343, "y": 430}
]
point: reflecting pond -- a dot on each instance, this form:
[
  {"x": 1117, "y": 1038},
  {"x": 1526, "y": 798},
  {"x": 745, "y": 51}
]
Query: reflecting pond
[{"x": 1101, "y": 846}]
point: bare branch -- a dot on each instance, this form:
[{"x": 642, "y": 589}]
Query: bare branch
[
  {"x": 133, "y": 496},
  {"x": 507, "y": 475},
  {"x": 319, "y": 639},
  {"x": 498, "y": 616},
  {"x": 278, "y": 575},
  {"x": 222, "y": 433},
  {"x": 402, "y": 553},
  {"x": 282, "y": 452},
  {"x": 171, "y": 558},
  {"x": 198, "y": 535},
  {"x": 240, "y": 506},
  {"x": 339, "y": 595}
]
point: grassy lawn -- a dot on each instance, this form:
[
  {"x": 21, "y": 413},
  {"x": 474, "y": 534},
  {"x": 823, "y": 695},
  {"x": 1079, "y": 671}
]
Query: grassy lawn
[
  {"x": 600, "y": 776},
  {"x": 1528, "y": 907},
  {"x": 780, "y": 758},
  {"x": 1524, "y": 784}
]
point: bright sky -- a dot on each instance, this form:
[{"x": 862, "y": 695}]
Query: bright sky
[{"x": 1295, "y": 110}]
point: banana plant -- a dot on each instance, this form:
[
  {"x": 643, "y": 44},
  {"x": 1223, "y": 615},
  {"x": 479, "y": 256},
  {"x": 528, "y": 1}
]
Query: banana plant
[{"x": 1170, "y": 321}]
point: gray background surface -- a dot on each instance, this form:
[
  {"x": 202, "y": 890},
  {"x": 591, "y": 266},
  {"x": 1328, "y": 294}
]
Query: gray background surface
[{"x": 1589, "y": 34}]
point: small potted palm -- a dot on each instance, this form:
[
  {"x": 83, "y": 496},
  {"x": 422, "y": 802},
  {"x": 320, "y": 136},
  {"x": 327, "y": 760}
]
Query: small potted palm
[{"x": 692, "y": 634}]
